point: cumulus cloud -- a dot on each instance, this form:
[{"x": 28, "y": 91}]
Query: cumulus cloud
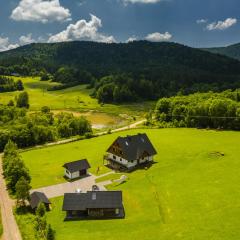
[
  {"x": 40, "y": 11},
  {"x": 222, "y": 25},
  {"x": 158, "y": 37},
  {"x": 141, "y": 1},
  {"x": 24, "y": 40},
  {"x": 6, "y": 45},
  {"x": 83, "y": 30},
  {"x": 132, "y": 39}
]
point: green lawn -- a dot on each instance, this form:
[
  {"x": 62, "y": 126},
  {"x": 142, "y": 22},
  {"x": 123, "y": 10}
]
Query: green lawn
[{"x": 192, "y": 192}]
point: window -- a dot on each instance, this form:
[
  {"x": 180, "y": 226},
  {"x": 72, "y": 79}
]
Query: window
[
  {"x": 114, "y": 157},
  {"x": 67, "y": 172},
  {"x": 120, "y": 159}
]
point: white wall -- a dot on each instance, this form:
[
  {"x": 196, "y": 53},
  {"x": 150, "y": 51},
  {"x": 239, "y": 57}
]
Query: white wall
[
  {"x": 127, "y": 163},
  {"x": 71, "y": 175},
  {"x": 122, "y": 161}
]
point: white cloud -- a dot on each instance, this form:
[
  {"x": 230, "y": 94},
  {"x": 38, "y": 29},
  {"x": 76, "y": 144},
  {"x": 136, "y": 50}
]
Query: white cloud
[
  {"x": 132, "y": 39},
  {"x": 202, "y": 21},
  {"x": 24, "y": 40},
  {"x": 222, "y": 25},
  {"x": 6, "y": 45},
  {"x": 40, "y": 11},
  {"x": 141, "y": 1},
  {"x": 83, "y": 30},
  {"x": 158, "y": 37}
]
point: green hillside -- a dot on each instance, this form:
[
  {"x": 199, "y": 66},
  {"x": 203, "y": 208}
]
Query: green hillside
[
  {"x": 232, "y": 51},
  {"x": 139, "y": 70}
]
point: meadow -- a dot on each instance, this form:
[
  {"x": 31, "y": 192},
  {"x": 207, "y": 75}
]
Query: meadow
[
  {"x": 191, "y": 192},
  {"x": 75, "y": 98}
]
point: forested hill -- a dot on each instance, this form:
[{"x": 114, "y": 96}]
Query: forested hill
[
  {"x": 232, "y": 51},
  {"x": 126, "y": 71},
  {"x": 101, "y": 58}
]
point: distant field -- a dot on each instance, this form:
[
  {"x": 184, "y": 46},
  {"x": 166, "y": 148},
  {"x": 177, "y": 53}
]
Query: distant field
[
  {"x": 75, "y": 98},
  {"x": 192, "y": 192}
]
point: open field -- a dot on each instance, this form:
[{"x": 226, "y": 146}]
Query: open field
[
  {"x": 192, "y": 192},
  {"x": 74, "y": 98}
]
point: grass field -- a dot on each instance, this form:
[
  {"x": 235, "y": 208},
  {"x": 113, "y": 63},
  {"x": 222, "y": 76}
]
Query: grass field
[
  {"x": 192, "y": 192},
  {"x": 74, "y": 98}
]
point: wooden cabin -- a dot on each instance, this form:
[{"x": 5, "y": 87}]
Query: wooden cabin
[
  {"x": 38, "y": 197},
  {"x": 76, "y": 169}
]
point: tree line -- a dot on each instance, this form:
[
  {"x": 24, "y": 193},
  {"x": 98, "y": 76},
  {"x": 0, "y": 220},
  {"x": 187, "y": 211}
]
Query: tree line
[
  {"x": 18, "y": 182},
  {"x": 29, "y": 129},
  {"x": 199, "y": 110},
  {"x": 8, "y": 84}
]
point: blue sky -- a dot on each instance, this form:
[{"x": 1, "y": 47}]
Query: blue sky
[{"x": 197, "y": 23}]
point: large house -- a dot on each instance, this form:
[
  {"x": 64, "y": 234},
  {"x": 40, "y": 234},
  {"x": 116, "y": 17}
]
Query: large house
[
  {"x": 129, "y": 152},
  {"x": 76, "y": 169},
  {"x": 93, "y": 205}
]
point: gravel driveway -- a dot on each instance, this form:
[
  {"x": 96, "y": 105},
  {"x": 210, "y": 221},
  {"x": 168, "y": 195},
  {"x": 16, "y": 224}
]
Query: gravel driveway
[{"x": 85, "y": 184}]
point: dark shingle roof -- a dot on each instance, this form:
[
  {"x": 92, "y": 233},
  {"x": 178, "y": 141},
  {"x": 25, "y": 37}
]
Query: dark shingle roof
[
  {"x": 77, "y": 165},
  {"x": 89, "y": 200},
  {"x": 38, "y": 197},
  {"x": 133, "y": 147}
]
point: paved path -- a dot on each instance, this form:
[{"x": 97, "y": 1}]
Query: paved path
[
  {"x": 10, "y": 227},
  {"x": 85, "y": 184}
]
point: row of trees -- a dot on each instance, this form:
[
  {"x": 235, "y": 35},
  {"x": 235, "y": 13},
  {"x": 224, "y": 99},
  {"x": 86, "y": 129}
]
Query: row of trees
[
  {"x": 201, "y": 110},
  {"x": 30, "y": 129},
  {"x": 43, "y": 230},
  {"x": 16, "y": 173},
  {"x": 8, "y": 84},
  {"x": 18, "y": 183}
]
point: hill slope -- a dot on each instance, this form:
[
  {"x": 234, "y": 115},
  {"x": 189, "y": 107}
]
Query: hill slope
[
  {"x": 232, "y": 51},
  {"x": 145, "y": 70}
]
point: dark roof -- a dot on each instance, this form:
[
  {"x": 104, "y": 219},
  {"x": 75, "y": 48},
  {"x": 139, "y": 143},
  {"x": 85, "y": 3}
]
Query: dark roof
[
  {"x": 77, "y": 165},
  {"x": 38, "y": 197},
  {"x": 91, "y": 199},
  {"x": 133, "y": 147}
]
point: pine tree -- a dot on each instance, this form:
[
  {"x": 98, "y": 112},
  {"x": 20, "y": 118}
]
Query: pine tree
[
  {"x": 50, "y": 233},
  {"x": 22, "y": 190}
]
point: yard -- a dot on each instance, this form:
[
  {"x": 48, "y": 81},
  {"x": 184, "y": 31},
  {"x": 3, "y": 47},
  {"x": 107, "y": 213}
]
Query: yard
[{"x": 192, "y": 192}]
